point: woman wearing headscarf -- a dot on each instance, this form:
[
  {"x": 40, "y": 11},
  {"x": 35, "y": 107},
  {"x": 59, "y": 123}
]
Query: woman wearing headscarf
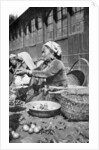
[
  {"x": 27, "y": 60},
  {"x": 12, "y": 67},
  {"x": 12, "y": 63},
  {"x": 53, "y": 69},
  {"x": 21, "y": 61}
]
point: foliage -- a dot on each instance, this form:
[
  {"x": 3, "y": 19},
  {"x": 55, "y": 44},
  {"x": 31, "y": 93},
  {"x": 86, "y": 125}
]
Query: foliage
[{"x": 12, "y": 18}]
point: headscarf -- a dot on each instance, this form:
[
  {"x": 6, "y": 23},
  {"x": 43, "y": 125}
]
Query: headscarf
[
  {"x": 54, "y": 46},
  {"x": 12, "y": 56},
  {"x": 27, "y": 59}
]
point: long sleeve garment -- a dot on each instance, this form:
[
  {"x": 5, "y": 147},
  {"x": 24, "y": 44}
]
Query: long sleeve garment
[{"x": 54, "y": 73}]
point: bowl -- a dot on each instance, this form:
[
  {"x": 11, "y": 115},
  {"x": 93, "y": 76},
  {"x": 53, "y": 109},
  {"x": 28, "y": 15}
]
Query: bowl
[{"x": 43, "y": 108}]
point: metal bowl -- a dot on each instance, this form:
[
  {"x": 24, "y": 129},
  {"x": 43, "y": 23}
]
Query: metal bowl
[{"x": 43, "y": 108}]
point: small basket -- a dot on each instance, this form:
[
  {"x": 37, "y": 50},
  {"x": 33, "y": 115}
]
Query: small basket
[{"x": 74, "y": 106}]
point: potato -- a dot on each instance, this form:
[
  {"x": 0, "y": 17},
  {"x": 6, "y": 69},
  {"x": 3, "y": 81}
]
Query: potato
[
  {"x": 25, "y": 127},
  {"x": 15, "y": 135},
  {"x": 36, "y": 129},
  {"x": 32, "y": 125},
  {"x": 39, "y": 127},
  {"x": 31, "y": 130}
]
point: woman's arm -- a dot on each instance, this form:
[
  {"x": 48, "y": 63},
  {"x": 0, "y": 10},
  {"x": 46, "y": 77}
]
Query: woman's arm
[
  {"x": 54, "y": 67},
  {"x": 51, "y": 70}
]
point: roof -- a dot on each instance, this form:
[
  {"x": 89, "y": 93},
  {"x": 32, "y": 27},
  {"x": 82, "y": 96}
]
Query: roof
[{"x": 28, "y": 15}]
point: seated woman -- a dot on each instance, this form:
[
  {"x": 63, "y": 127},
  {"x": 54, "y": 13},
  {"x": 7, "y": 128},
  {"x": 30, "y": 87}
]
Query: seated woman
[
  {"x": 21, "y": 61},
  {"x": 12, "y": 63},
  {"x": 53, "y": 69},
  {"x": 12, "y": 67}
]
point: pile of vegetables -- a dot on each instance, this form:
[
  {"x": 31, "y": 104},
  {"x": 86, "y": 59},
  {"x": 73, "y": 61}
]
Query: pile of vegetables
[{"x": 32, "y": 128}]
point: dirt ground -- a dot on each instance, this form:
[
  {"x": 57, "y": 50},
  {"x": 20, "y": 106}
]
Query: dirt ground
[{"x": 54, "y": 129}]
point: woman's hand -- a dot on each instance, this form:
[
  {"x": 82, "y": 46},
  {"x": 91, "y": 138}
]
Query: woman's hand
[{"x": 22, "y": 71}]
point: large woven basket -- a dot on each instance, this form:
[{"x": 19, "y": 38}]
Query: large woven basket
[{"x": 74, "y": 106}]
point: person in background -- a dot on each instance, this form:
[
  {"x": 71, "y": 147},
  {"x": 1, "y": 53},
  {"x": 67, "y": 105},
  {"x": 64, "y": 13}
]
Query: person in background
[
  {"x": 21, "y": 61},
  {"x": 53, "y": 69},
  {"x": 12, "y": 67},
  {"x": 27, "y": 60},
  {"x": 12, "y": 63}
]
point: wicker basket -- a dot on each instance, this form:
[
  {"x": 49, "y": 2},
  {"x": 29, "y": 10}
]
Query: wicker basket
[
  {"x": 78, "y": 77},
  {"x": 74, "y": 106},
  {"x": 75, "y": 77}
]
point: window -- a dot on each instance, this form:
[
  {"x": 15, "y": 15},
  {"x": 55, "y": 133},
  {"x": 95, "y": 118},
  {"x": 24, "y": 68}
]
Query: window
[
  {"x": 39, "y": 30},
  {"x": 33, "y": 30},
  {"x": 21, "y": 34},
  {"x": 18, "y": 33},
  {"x": 49, "y": 27},
  {"x": 21, "y": 30},
  {"x": 59, "y": 23},
  {"x": 76, "y": 24},
  {"x": 64, "y": 21},
  {"x": 27, "y": 32},
  {"x": 13, "y": 35}
]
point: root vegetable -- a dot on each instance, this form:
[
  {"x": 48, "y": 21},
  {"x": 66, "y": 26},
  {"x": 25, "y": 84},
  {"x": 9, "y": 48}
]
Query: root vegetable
[
  {"x": 26, "y": 127},
  {"x": 32, "y": 125},
  {"x": 15, "y": 135},
  {"x": 36, "y": 129},
  {"x": 39, "y": 127},
  {"x": 31, "y": 130}
]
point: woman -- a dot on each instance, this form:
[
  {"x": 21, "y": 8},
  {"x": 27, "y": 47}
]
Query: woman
[
  {"x": 27, "y": 60},
  {"x": 53, "y": 70},
  {"x": 12, "y": 63},
  {"x": 21, "y": 61},
  {"x": 12, "y": 67}
]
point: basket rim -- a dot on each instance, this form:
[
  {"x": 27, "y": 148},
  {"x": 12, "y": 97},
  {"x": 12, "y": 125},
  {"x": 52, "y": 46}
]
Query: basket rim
[
  {"x": 85, "y": 60},
  {"x": 72, "y": 101}
]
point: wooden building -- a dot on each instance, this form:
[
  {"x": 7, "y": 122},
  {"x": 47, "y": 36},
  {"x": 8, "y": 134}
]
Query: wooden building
[{"x": 68, "y": 26}]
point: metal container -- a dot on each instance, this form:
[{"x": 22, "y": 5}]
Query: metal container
[{"x": 43, "y": 109}]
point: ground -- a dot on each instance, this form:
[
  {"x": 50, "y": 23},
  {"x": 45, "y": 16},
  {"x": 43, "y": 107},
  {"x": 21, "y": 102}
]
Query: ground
[{"x": 56, "y": 129}]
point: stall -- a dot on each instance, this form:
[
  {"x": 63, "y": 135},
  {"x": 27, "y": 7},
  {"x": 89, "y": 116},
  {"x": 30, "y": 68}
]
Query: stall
[{"x": 55, "y": 115}]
